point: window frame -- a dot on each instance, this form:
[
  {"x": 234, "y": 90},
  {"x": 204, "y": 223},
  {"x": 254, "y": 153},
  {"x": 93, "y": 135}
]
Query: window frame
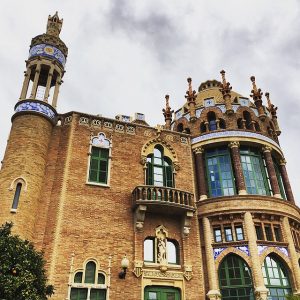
[
  {"x": 218, "y": 154},
  {"x": 88, "y": 286},
  {"x": 253, "y": 153},
  {"x": 100, "y": 142},
  {"x": 166, "y": 167}
]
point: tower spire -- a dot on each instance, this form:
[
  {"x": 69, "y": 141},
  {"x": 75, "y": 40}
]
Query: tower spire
[
  {"x": 191, "y": 97},
  {"x": 225, "y": 90},
  {"x": 256, "y": 94},
  {"x": 168, "y": 113},
  {"x": 54, "y": 25}
]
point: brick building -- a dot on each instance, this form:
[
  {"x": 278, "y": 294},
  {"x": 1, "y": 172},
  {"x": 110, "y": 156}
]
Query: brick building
[{"x": 200, "y": 208}]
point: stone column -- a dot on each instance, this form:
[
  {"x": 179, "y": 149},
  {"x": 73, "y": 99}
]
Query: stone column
[
  {"x": 214, "y": 292},
  {"x": 35, "y": 81},
  {"x": 271, "y": 172},
  {"x": 56, "y": 91},
  {"x": 25, "y": 84},
  {"x": 293, "y": 254},
  {"x": 237, "y": 166},
  {"x": 286, "y": 182},
  {"x": 200, "y": 173},
  {"x": 261, "y": 292},
  {"x": 48, "y": 84}
]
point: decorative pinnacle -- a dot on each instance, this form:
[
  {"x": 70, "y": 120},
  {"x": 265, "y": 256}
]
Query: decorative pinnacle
[
  {"x": 167, "y": 111},
  {"x": 226, "y": 88},
  {"x": 190, "y": 94},
  {"x": 271, "y": 106},
  {"x": 256, "y": 93}
]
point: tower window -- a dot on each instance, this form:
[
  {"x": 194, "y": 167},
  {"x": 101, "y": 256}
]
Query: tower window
[
  {"x": 159, "y": 169},
  {"x": 212, "y": 122},
  {"x": 254, "y": 172},
  {"x": 239, "y": 233},
  {"x": 218, "y": 235},
  {"x": 219, "y": 172},
  {"x": 17, "y": 196},
  {"x": 228, "y": 234}
]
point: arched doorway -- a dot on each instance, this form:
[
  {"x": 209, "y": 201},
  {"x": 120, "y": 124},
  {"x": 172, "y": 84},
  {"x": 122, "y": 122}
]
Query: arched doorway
[
  {"x": 161, "y": 293},
  {"x": 235, "y": 279},
  {"x": 276, "y": 278}
]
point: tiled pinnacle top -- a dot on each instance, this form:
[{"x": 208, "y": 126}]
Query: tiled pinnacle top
[{"x": 233, "y": 133}]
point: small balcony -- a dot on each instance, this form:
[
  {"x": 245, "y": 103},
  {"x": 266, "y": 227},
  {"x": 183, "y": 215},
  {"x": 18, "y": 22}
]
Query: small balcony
[{"x": 159, "y": 198}]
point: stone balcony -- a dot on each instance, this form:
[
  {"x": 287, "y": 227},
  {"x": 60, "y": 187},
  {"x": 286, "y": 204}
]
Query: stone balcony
[{"x": 162, "y": 200}]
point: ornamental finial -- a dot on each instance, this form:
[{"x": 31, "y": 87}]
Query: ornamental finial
[
  {"x": 271, "y": 106},
  {"x": 54, "y": 25},
  {"x": 190, "y": 94},
  {"x": 168, "y": 113},
  {"x": 256, "y": 93},
  {"x": 226, "y": 88}
]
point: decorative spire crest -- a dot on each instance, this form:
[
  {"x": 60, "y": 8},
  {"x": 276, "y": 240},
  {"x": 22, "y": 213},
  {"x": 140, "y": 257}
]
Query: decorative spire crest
[
  {"x": 256, "y": 93},
  {"x": 54, "y": 25},
  {"x": 190, "y": 94},
  {"x": 168, "y": 113},
  {"x": 226, "y": 88},
  {"x": 272, "y": 108}
]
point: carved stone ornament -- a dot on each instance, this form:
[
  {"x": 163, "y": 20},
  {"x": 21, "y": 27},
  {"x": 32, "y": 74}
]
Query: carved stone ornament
[
  {"x": 143, "y": 160},
  {"x": 161, "y": 237},
  {"x": 139, "y": 217},
  {"x": 138, "y": 268},
  {"x": 158, "y": 274},
  {"x": 176, "y": 166},
  {"x": 267, "y": 149},
  {"x": 234, "y": 144},
  {"x": 147, "y": 132},
  {"x": 169, "y": 138},
  {"x": 188, "y": 272}
]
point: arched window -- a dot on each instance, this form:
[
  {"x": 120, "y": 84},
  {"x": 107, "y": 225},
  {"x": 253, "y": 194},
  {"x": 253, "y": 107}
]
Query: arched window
[
  {"x": 219, "y": 172},
  {"x": 151, "y": 253},
  {"x": 222, "y": 124},
  {"x": 99, "y": 160},
  {"x": 202, "y": 127},
  {"x": 159, "y": 168},
  {"x": 254, "y": 172},
  {"x": 257, "y": 128},
  {"x": 240, "y": 123},
  {"x": 172, "y": 252},
  {"x": 17, "y": 196},
  {"x": 180, "y": 127},
  {"x": 88, "y": 282},
  {"x": 276, "y": 278},
  {"x": 187, "y": 130},
  {"x": 212, "y": 123},
  {"x": 235, "y": 279},
  {"x": 247, "y": 118}
]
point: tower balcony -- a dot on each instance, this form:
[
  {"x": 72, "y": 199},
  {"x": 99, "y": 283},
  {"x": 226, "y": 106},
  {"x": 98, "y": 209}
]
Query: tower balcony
[{"x": 162, "y": 200}]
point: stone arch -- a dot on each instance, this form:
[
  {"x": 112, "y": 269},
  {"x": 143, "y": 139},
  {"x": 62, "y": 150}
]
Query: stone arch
[
  {"x": 17, "y": 180},
  {"x": 218, "y": 112},
  {"x": 241, "y": 109},
  {"x": 232, "y": 250},
  {"x": 273, "y": 250},
  {"x": 169, "y": 151}
]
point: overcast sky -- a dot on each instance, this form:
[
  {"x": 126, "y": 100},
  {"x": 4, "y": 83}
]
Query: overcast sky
[{"x": 124, "y": 56}]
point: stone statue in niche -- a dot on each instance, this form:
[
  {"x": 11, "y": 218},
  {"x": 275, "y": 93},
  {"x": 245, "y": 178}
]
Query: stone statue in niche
[{"x": 161, "y": 250}]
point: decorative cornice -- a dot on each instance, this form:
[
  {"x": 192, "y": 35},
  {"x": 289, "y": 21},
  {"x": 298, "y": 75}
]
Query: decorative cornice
[{"x": 234, "y": 144}]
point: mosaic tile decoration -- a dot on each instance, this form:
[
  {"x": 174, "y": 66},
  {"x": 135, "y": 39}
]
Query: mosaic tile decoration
[
  {"x": 261, "y": 249},
  {"x": 198, "y": 112},
  {"x": 232, "y": 133},
  {"x": 283, "y": 250},
  {"x": 47, "y": 51},
  {"x": 37, "y": 107},
  {"x": 187, "y": 116},
  {"x": 244, "y": 249},
  {"x": 222, "y": 107},
  {"x": 235, "y": 107},
  {"x": 100, "y": 141},
  {"x": 255, "y": 111},
  {"x": 217, "y": 252}
]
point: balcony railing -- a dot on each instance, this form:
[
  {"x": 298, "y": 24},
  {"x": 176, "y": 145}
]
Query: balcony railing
[{"x": 155, "y": 196}]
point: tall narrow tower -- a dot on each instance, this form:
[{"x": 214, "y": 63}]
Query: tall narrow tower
[{"x": 23, "y": 166}]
